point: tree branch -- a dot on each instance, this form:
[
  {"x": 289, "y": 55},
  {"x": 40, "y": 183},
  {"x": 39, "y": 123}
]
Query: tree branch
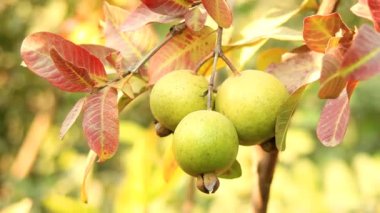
[{"x": 266, "y": 160}]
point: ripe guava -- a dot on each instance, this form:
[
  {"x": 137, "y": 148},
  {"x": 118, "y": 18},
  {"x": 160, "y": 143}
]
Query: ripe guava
[
  {"x": 251, "y": 100},
  {"x": 205, "y": 142},
  {"x": 177, "y": 94}
]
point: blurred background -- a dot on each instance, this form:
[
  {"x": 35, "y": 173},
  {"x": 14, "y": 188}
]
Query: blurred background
[{"x": 40, "y": 173}]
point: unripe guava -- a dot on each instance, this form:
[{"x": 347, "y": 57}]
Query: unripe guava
[
  {"x": 177, "y": 94},
  {"x": 251, "y": 100},
  {"x": 205, "y": 142}
]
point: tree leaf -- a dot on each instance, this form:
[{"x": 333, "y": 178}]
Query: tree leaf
[
  {"x": 374, "y": 7},
  {"x": 168, "y": 7},
  {"x": 332, "y": 61},
  {"x": 195, "y": 19},
  {"x": 297, "y": 69},
  {"x": 361, "y": 60},
  {"x": 170, "y": 165},
  {"x": 142, "y": 15},
  {"x": 284, "y": 117},
  {"x": 101, "y": 124},
  {"x": 318, "y": 29},
  {"x": 334, "y": 119},
  {"x": 78, "y": 76},
  {"x": 132, "y": 45},
  {"x": 35, "y": 51},
  {"x": 369, "y": 9},
  {"x": 184, "y": 51},
  {"x": 71, "y": 117},
  {"x": 220, "y": 11}
]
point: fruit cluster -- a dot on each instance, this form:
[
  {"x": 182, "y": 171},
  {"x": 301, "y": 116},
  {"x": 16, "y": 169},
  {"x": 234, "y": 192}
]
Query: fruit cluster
[{"x": 206, "y": 141}]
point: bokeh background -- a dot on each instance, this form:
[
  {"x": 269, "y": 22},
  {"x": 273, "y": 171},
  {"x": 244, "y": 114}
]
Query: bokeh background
[{"x": 40, "y": 173}]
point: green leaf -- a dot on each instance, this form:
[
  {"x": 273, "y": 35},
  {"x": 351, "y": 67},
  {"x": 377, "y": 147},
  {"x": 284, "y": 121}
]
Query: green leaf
[{"x": 284, "y": 117}]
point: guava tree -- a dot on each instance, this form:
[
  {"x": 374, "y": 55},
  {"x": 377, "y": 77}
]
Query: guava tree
[{"x": 210, "y": 118}]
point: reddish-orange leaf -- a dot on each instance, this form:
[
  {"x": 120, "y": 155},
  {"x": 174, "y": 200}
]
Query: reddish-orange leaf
[
  {"x": 168, "y": 7},
  {"x": 35, "y": 51},
  {"x": 220, "y": 11},
  {"x": 334, "y": 119},
  {"x": 195, "y": 19},
  {"x": 132, "y": 45},
  {"x": 71, "y": 117},
  {"x": 101, "y": 124},
  {"x": 78, "y": 76},
  {"x": 184, "y": 51},
  {"x": 318, "y": 29}
]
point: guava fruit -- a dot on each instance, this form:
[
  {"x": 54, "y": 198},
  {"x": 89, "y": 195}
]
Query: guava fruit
[
  {"x": 251, "y": 100},
  {"x": 177, "y": 94},
  {"x": 205, "y": 142}
]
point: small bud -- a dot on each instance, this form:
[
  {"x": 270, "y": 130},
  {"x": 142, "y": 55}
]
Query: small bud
[
  {"x": 161, "y": 131},
  {"x": 207, "y": 183}
]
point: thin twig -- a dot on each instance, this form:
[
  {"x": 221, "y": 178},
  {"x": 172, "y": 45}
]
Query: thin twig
[
  {"x": 200, "y": 64},
  {"x": 175, "y": 30},
  {"x": 217, "y": 51},
  {"x": 229, "y": 63}
]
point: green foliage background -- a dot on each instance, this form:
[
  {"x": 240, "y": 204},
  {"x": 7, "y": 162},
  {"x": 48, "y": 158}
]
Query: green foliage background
[{"x": 309, "y": 178}]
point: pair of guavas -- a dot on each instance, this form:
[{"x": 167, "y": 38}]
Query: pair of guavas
[{"x": 206, "y": 141}]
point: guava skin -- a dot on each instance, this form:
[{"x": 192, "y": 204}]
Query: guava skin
[
  {"x": 177, "y": 94},
  {"x": 251, "y": 101},
  {"x": 205, "y": 142}
]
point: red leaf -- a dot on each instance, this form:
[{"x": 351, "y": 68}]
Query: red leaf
[
  {"x": 101, "y": 52},
  {"x": 297, "y": 69},
  {"x": 220, "y": 11},
  {"x": 195, "y": 19},
  {"x": 101, "y": 124},
  {"x": 78, "y": 76},
  {"x": 318, "y": 29},
  {"x": 374, "y": 7},
  {"x": 132, "y": 45},
  {"x": 184, "y": 51},
  {"x": 361, "y": 60},
  {"x": 168, "y": 7},
  {"x": 369, "y": 9},
  {"x": 108, "y": 56},
  {"x": 142, "y": 15},
  {"x": 334, "y": 119},
  {"x": 35, "y": 51},
  {"x": 71, "y": 117},
  {"x": 331, "y": 87}
]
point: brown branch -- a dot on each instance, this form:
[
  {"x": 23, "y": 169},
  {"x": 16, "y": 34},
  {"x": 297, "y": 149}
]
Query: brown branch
[
  {"x": 266, "y": 163},
  {"x": 266, "y": 154}
]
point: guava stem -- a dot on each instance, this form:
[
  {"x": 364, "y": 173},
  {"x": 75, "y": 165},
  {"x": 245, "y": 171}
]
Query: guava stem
[{"x": 217, "y": 51}]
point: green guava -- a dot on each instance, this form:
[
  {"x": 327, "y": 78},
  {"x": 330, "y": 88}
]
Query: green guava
[
  {"x": 177, "y": 94},
  {"x": 251, "y": 100},
  {"x": 205, "y": 142}
]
